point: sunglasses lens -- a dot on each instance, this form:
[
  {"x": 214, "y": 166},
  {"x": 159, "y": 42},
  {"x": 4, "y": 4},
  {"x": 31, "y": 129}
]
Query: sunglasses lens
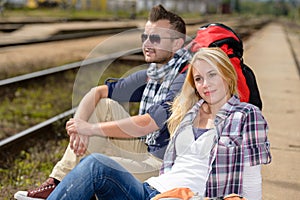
[
  {"x": 144, "y": 37},
  {"x": 154, "y": 38}
]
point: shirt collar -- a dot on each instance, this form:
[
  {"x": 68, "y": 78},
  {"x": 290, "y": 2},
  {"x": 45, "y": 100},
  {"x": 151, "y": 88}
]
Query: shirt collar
[{"x": 227, "y": 109}]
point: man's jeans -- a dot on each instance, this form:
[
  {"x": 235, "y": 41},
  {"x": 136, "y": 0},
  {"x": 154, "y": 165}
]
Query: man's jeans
[
  {"x": 132, "y": 154},
  {"x": 100, "y": 175}
]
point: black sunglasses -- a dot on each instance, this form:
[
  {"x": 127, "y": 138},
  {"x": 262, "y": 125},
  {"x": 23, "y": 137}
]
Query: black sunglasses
[{"x": 154, "y": 38}]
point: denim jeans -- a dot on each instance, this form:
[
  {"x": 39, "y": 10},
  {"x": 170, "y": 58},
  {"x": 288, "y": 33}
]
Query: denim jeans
[{"x": 100, "y": 175}]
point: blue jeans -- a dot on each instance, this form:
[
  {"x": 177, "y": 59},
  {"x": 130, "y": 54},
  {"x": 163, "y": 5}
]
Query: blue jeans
[{"x": 100, "y": 175}]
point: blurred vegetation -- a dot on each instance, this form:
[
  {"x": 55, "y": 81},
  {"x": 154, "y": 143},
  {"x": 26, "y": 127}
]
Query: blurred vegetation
[
  {"x": 35, "y": 102},
  {"x": 290, "y": 9},
  {"x": 31, "y": 168},
  {"x": 57, "y": 13},
  {"x": 64, "y": 14}
]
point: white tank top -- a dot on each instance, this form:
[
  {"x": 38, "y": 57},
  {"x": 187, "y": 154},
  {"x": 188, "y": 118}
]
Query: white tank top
[{"x": 191, "y": 165}]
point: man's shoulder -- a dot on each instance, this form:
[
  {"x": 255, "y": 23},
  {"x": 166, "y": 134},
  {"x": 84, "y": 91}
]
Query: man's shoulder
[
  {"x": 181, "y": 76},
  {"x": 140, "y": 74}
]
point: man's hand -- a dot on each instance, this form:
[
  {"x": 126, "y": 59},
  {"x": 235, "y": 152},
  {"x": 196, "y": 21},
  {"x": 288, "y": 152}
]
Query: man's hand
[
  {"x": 78, "y": 126},
  {"x": 79, "y": 132},
  {"x": 79, "y": 144}
]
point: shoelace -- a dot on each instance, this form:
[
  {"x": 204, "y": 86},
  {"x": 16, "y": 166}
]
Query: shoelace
[{"x": 42, "y": 188}]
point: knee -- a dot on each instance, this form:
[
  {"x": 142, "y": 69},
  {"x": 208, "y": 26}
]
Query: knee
[
  {"x": 98, "y": 164},
  {"x": 92, "y": 158},
  {"x": 96, "y": 161},
  {"x": 103, "y": 110},
  {"x": 109, "y": 110},
  {"x": 92, "y": 164},
  {"x": 106, "y": 103}
]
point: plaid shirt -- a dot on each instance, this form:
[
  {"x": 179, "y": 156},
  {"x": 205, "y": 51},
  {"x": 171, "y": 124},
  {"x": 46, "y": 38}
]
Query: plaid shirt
[{"x": 241, "y": 140}]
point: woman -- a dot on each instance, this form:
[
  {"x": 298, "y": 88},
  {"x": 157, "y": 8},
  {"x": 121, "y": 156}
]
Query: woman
[{"x": 216, "y": 150}]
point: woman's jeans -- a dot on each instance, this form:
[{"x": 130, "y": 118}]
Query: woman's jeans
[{"x": 100, "y": 175}]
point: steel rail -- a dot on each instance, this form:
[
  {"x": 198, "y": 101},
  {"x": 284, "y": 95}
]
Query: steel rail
[
  {"x": 8, "y": 142},
  {"x": 26, "y": 133},
  {"x": 69, "y": 36},
  {"x": 66, "y": 67}
]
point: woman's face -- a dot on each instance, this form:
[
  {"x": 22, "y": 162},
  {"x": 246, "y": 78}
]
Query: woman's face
[{"x": 209, "y": 83}]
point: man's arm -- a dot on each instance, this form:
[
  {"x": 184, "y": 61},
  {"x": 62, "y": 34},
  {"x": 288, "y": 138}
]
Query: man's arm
[
  {"x": 80, "y": 130},
  {"x": 89, "y": 101},
  {"x": 122, "y": 90},
  {"x": 136, "y": 126},
  {"x": 161, "y": 112},
  {"x": 131, "y": 127}
]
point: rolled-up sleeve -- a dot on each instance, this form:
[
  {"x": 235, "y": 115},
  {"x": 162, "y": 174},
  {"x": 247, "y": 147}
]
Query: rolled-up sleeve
[
  {"x": 129, "y": 89},
  {"x": 256, "y": 143}
]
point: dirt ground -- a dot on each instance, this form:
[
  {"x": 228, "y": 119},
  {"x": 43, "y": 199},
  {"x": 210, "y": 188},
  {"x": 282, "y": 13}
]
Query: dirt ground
[
  {"x": 268, "y": 52},
  {"x": 28, "y": 58}
]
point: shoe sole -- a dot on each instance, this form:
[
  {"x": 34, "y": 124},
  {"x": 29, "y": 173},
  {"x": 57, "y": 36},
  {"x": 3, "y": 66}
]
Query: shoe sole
[{"x": 22, "y": 195}]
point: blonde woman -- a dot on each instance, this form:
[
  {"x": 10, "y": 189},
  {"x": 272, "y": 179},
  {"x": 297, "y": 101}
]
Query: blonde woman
[
  {"x": 217, "y": 145},
  {"x": 209, "y": 104}
]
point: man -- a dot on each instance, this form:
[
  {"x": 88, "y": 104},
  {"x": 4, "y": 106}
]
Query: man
[{"x": 138, "y": 142}]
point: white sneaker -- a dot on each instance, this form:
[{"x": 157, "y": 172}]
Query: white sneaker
[{"x": 22, "y": 195}]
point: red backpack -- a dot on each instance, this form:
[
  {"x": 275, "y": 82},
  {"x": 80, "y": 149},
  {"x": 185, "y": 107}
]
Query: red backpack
[{"x": 220, "y": 35}]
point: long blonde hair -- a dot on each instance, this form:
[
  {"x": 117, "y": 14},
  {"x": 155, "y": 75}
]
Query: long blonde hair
[{"x": 188, "y": 97}]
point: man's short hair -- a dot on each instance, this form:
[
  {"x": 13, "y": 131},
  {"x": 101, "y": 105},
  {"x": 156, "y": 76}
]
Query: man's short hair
[{"x": 160, "y": 13}]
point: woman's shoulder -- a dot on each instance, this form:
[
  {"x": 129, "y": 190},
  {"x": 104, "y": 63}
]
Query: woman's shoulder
[
  {"x": 246, "y": 108},
  {"x": 238, "y": 106}
]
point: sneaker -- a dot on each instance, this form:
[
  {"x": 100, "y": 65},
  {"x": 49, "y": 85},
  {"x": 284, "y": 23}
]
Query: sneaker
[{"x": 39, "y": 193}]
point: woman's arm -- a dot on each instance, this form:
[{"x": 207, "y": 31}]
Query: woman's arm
[
  {"x": 256, "y": 143},
  {"x": 252, "y": 188},
  {"x": 252, "y": 182}
]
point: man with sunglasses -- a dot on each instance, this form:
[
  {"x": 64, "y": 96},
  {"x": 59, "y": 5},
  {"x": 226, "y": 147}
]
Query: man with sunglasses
[{"x": 136, "y": 142}]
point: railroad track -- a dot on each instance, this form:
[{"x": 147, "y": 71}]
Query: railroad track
[
  {"x": 19, "y": 137},
  {"x": 8, "y": 145}
]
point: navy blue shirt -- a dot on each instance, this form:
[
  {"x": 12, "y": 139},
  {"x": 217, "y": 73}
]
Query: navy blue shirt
[{"x": 131, "y": 88}]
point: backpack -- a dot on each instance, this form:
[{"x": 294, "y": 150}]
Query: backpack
[{"x": 220, "y": 35}]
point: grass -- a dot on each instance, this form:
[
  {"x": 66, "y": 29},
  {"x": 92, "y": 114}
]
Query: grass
[
  {"x": 31, "y": 104},
  {"x": 71, "y": 14},
  {"x": 31, "y": 167}
]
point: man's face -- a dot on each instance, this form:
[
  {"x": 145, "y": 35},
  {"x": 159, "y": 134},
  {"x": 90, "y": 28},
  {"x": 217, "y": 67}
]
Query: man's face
[{"x": 158, "y": 42}]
